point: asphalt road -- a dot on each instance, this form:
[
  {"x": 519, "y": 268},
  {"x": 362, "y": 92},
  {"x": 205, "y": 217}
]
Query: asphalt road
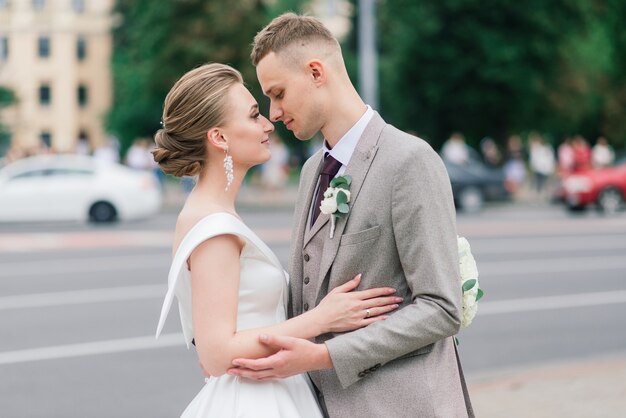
[{"x": 79, "y": 306}]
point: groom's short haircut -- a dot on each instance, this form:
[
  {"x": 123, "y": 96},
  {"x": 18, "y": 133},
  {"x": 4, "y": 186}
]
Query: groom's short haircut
[{"x": 291, "y": 30}]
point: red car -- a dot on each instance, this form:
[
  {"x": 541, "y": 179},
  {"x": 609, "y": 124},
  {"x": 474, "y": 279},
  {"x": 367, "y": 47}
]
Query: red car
[{"x": 604, "y": 187}]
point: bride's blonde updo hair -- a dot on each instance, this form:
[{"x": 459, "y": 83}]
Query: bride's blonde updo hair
[{"x": 195, "y": 104}]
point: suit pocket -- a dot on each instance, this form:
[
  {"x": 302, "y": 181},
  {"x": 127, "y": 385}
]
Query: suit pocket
[
  {"x": 361, "y": 236},
  {"x": 420, "y": 351}
]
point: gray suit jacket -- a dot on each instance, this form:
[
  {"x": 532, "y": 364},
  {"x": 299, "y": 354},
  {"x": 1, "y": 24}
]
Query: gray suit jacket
[{"x": 400, "y": 232}]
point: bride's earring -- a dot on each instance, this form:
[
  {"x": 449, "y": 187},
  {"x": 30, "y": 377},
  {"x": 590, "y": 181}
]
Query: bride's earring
[{"x": 228, "y": 169}]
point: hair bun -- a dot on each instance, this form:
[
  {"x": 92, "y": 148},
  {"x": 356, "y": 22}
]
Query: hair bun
[{"x": 173, "y": 160}]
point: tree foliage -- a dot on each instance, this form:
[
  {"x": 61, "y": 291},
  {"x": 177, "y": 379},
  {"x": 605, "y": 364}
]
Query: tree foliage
[
  {"x": 501, "y": 67},
  {"x": 483, "y": 68},
  {"x": 157, "y": 42}
]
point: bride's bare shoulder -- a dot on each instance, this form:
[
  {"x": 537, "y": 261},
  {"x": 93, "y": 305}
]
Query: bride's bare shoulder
[{"x": 187, "y": 219}]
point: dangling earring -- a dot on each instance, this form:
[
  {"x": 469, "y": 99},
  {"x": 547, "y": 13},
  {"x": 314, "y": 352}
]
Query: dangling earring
[{"x": 228, "y": 168}]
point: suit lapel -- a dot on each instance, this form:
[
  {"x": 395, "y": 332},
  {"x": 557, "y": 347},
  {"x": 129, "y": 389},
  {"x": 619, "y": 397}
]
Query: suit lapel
[
  {"x": 305, "y": 232},
  {"x": 357, "y": 169},
  {"x": 321, "y": 220}
]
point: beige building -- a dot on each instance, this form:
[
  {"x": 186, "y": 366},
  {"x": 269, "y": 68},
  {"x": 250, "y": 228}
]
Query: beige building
[{"x": 55, "y": 55}]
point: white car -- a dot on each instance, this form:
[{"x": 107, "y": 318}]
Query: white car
[{"x": 77, "y": 188}]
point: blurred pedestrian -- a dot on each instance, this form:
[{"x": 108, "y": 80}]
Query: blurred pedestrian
[
  {"x": 514, "y": 167},
  {"x": 602, "y": 154},
  {"x": 455, "y": 149},
  {"x": 82, "y": 146},
  {"x": 541, "y": 161},
  {"x": 109, "y": 151},
  {"x": 491, "y": 154},
  {"x": 138, "y": 156},
  {"x": 566, "y": 157},
  {"x": 582, "y": 153}
]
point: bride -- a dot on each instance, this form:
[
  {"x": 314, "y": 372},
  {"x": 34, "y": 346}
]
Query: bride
[{"x": 230, "y": 287}]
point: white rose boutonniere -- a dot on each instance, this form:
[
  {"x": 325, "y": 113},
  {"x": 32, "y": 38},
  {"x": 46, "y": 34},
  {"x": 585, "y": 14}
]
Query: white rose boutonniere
[
  {"x": 469, "y": 282},
  {"x": 336, "y": 199}
]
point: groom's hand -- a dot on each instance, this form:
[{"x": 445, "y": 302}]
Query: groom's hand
[{"x": 294, "y": 356}]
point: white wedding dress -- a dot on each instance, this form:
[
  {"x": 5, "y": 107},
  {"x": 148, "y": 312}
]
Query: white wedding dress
[{"x": 262, "y": 290}]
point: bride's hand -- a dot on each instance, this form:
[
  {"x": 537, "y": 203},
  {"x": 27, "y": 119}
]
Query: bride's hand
[{"x": 345, "y": 310}]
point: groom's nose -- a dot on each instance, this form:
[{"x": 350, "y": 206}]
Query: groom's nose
[{"x": 276, "y": 112}]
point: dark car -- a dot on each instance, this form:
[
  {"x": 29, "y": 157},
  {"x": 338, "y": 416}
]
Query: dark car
[
  {"x": 475, "y": 183},
  {"x": 603, "y": 187}
]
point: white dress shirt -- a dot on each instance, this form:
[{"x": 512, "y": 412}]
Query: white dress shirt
[{"x": 344, "y": 149}]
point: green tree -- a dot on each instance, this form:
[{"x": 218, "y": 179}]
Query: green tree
[
  {"x": 480, "y": 68},
  {"x": 156, "y": 42},
  {"x": 610, "y": 17}
]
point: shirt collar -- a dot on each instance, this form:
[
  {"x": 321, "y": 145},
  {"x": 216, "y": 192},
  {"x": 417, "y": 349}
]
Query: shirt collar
[{"x": 344, "y": 149}]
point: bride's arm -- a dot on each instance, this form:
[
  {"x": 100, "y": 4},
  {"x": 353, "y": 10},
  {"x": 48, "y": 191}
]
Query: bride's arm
[{"x": 215, "y": 295}]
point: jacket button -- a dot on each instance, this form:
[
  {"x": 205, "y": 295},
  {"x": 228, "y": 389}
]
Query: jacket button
[
  {"x": 306, "y": 280},
  {"x": 306, "y": 257},
  {"x": 306, "y": 306}
]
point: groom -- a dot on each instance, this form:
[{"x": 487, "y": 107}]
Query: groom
[{"x": 400, "y": 232}]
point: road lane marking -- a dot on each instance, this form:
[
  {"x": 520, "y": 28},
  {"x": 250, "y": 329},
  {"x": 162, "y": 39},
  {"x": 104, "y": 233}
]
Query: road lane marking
[
  {"x": 506, "y": 268},
  {"x": 545, "y": 303},
  {"x": 92, "y": 348},
  {"x": 151, "y": 262},
  {"x": 75, "y": 297},
  {"x": 86, "y": 265}
]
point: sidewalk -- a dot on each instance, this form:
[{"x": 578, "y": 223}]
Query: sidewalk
[{"x": 594, "y": 388}]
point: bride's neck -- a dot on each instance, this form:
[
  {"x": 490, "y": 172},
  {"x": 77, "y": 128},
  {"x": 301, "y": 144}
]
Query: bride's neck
[{"x": 211, "y": 185}]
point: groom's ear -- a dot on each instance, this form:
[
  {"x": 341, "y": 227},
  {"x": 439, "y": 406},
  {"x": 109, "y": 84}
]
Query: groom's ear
[{"x": 317, "y": 72}]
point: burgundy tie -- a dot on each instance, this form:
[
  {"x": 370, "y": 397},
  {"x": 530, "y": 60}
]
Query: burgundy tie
[{"x": 329, "y": 171}]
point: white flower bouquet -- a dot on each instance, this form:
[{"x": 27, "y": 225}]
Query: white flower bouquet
[{"x": 469, "y": 282}]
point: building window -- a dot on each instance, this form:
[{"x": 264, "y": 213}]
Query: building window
[
  {"x": 44, "y": 47},
  {"x": 4, "y": 48},
  {"x": 45, "y": 95},
  {"x": 81, "y": 48},
  {"x": 39, "y": 4},
  {"x": 46, "y": 139},
  {"x": 82, "y": 95},
  {"x": 78, "y": 6}
]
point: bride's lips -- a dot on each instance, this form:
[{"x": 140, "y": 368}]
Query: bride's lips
[{"x": 265, "y": 141}]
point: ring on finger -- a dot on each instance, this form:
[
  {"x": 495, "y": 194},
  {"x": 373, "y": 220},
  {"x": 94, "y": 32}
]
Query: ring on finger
[{"x": 367, "y": 313}]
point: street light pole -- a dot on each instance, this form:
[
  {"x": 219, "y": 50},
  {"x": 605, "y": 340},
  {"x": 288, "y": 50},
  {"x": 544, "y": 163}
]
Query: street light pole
[{"x": 368, "y": 55}]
